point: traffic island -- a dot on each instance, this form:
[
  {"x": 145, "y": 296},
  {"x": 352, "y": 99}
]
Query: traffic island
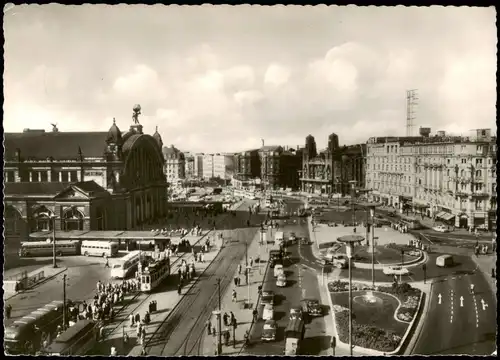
[{"x": 383, "y": 316}]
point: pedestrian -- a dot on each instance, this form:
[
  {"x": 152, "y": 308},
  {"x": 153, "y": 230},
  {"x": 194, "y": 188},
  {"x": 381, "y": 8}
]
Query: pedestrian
[
  {"x": 106, "y": 265},
  {"x": 235, "y": 281},
  {"x": 8, "y": 311},
  {"x": 234, "y": 295},
  {"x": 255, "y": 315},
  {"x": 232, "y": 318},
  {"x": 239, "y": 281},
  {"x": 179, "y": 289},
  {"x": 225, "y": 318},
  {"x": 137, "y": 318},
  {"x": 239, "y": 269},
  {"x": 251, "y": 261},
  {"x": 113, "y": 351},
  {"x": 209, "y": 327}
]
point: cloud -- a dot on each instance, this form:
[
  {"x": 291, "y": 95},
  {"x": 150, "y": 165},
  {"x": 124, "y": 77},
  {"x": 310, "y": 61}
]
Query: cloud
[{"x": 221, "y": 79}]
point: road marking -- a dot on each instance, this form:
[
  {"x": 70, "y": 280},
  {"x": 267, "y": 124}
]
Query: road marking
[
  {"x": 461, "y": 301},
  {"x": 485, "y": 305},
  {"x": 429, "y": 240},
  {"x": 439, "y": 299}
]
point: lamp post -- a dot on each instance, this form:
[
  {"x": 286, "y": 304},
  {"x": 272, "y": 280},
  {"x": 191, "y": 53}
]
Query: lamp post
[
  {"x": 64, "y": 303},
  {"x": 53, "y": 218},
  {"x": 353, "y": 195},
  {"x": 370, "y": 232},
  {"x": 350, "y": 241},
  {"x": 218, "y": 314}
]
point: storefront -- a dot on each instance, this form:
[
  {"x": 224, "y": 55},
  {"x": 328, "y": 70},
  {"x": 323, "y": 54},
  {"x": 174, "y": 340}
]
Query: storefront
[
  {"x": 479, "y": 220},
  {"x": 446, "y": 216},
  {"x": 492, "y": 220}
]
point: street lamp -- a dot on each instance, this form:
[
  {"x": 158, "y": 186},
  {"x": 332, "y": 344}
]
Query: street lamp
[
  {"x": 370, "y": 225},
  {"x": 353, "y": 194},
  {"x": 350, "y": 241},
  {"x": 53, "y": 218}
]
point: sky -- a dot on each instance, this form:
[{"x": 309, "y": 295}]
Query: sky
[{"x": 222, "y": 78}]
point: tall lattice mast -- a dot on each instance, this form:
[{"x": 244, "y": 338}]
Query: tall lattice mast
[{"x": 411, "y": 104}]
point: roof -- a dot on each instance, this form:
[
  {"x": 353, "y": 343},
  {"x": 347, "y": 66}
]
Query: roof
[
  {"x": 58, "y": 145},
  {"x": 170, "y": 150},
  {"x": 270, "y": 148},
  {"x": 34, "y": 188},
  {"x": 90, "y": 187}
]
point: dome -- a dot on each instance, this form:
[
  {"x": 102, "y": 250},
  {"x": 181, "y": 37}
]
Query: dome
[
  {"x": 114, "y": 134},
  {"x": 157, "y": 138}
]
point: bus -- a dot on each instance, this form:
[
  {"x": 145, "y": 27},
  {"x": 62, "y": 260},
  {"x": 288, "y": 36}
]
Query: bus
[
  {"x": 99, "y": 248},
  {"x": 125, "y": 265},
  {"x": 294, "y": 334},
  {"x": 76, "y": 340},
  {"x": 25, "y": 335},
  {"x": 154, "y": 274},
  {"x": 45, "y": 248}
]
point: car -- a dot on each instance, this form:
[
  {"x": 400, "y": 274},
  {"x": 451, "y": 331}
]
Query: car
[
  {"x": 292, "y": 238},
  {"x": 395, "y": 270},
  {"x": 305, "y": 241},
  {"x": 268, "y": 312},
  {"x": 278, "y": 269},
  {"x": 267, "y": 298},
  {"x": 269, "y": 331},
  {"x": 312, "y": 307},
  {"x": 296, "y": 313},
  {"x": 339, "y": 261},
  {"x": 440, "y": 228},
  {"x": 281, "y": 281}
]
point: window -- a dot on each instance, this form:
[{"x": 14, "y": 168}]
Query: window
[
  {"x": 43, "y": 176},
  {"x": 448, "y": 172},
  {"x": 479, "y": 162},
  {"x": 464, "y": 161},
  {"x": 34, "y": 176},
  {"x": 462, "y": 172},
  {"x": 9, "y": 176},
  {"x": 64, "y": 176},
  {"x": 478, "y": 173}
]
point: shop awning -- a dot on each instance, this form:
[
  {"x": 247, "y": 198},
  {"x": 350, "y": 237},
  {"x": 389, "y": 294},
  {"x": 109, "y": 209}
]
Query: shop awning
[
  {"x": 448, "y": 216},
  {"x": 440, "y": 215}
]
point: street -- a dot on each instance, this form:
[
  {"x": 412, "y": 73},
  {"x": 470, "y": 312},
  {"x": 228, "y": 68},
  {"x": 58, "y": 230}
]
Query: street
[
  {"x": 302, "y": 283},
  {"x": 456, "y": 326}
]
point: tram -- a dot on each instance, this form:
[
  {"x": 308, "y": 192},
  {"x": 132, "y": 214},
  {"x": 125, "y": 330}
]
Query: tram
[
  {"x": 154, "y": 273},
  {"x": 26, "y": 334}
]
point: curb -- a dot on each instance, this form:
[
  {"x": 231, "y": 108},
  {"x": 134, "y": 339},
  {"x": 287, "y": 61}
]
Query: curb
[
  {"x": 378, "y": 352},
  {"x": 418, "y": 330},
  {"x": 37, "y": 284}
]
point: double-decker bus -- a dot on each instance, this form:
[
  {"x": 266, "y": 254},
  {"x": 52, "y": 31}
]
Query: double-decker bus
[
  {"x": 25, "y": 335},
  {"x": 76, "y": 340},
  {"x": 154, "y": 273},
  {"x": 46, "y": 248},
  {"x": 126, "y": 265},
  {"x": 99, "y": 248}
]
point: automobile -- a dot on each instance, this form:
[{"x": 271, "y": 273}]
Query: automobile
[
  {"x": 267, "y": 298},
  {"x": 281, "y": 281},
  {"x": 339, "y": 261},
  {"x": 395, "y": 270},
  {"x": 278, "y": 270},
  {"x": 268, "y": 312},
  {"x": 292, "y": 237},
  {"x": 312, "y": 307},
  {"x": 296, "y": 313},
  {"x": 440, "y": 228},
  {"x": 304, "y": 241},
  {"x": 269, "y": 331},
  {"x": 444, "y": 261}
]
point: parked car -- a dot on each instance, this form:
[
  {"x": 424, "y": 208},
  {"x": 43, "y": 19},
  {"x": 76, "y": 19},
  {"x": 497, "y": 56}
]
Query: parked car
[
  {"x": 440, "y": 228},
  {"x": 292, "y": 237},
  {"x": 336, "y": 259},
  {"x": 395, "y": 270},
  {"x": 312, "y": 307},
  {"x": 267, "y": 298},
  {"x": 269, "y": 331},
  {"x": 281, "y": 281},
  {"x": 268, "y": 312}
]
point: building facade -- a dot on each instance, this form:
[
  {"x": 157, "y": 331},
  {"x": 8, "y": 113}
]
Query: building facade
[
  {"x": 189, "y": 169},
  {"x": 329, "y": 171},
  {"x": 174, "y": 164},
  {"x": 208, "y": 166},
  {"x": 82, "y": 180},
  {"x": 451, "y": 178},
  {"x": 198, "y": 165}
]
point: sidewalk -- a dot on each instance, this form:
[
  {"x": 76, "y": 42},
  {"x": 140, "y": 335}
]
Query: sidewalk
[{"x": 243, "y": 316}]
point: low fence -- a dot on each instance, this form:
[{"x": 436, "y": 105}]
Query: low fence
[{"x": 23, "y": 281}]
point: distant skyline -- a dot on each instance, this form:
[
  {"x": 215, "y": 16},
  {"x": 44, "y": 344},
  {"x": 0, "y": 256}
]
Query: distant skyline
[{"x": 221, "y": 78}]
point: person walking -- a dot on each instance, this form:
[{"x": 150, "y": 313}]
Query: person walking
[
  {"x": 239, "y": 269},
  {"x": 209, "y": 327},
  {"x": 225, "y": 318},
  {"x": 234, "y": 295},
  {"x": 8, "y": 311},
  {"x": 179, "y": 288},
  {"x": 235, "y": 281},
  {"x": 106, "y": 265}
]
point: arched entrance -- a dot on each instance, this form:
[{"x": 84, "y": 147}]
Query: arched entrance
[
  {"x": 72, "y": 219},
  {"x": 100, "y": 218},
  {"x": 42, "y": 220},
  {"x": 463, "y": 221},
  {"x": 13, "y": 221}
]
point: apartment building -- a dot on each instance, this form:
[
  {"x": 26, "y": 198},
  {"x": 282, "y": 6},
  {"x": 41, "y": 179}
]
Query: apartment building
[
  {"x": 450, "y": 178},
  {"x": 174, "y": 164}
]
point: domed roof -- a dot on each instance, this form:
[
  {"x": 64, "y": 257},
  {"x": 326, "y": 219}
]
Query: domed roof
[
  {"x": 114, "y": 134},
  {"x": 157, "y": 137}
]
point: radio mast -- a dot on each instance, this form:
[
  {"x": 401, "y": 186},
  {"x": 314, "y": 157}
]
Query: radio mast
[{"x": 411, "y": 104}]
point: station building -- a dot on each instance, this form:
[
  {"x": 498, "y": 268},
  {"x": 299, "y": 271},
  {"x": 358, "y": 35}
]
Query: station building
[
  {"x": 82, "y": 180},
  {"x": 451, "y": 178}
]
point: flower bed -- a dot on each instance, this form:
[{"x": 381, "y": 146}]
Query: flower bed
[
  {"x": 366, "y": 336},
  {"x": 409, "y": 297},
  {"x": 339, "y": 286}
]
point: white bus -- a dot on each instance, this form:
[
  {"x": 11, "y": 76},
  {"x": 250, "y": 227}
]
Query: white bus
[
  {"x": 127, "y": 264},
  {"x": 45, "y": 248},
  {"x": 99, "y": 248}
]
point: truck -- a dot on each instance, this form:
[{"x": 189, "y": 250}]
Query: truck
[{"x": 279, "y": 238}]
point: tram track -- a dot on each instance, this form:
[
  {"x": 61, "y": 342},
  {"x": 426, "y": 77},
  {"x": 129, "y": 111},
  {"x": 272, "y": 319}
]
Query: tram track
[{"x": 185, "y": 341}]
